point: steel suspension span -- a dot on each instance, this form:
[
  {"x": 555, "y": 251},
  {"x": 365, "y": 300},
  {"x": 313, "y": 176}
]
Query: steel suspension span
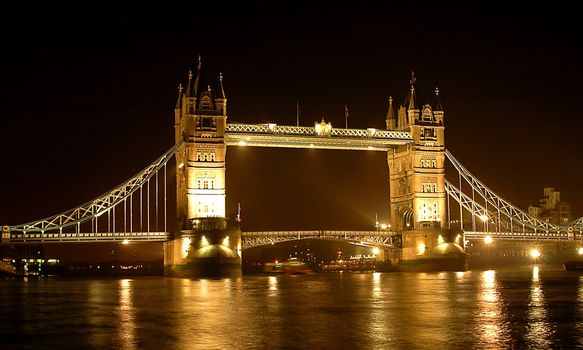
[
  {"x": 106, "y": 203},
  {"x": 483, "y": 205},
  {"x": 507, "y": 218}
]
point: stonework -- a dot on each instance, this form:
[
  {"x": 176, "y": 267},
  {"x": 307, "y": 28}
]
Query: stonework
[
  {"x": 200, "y": 120},
  {"x": 416, "y": 170}
]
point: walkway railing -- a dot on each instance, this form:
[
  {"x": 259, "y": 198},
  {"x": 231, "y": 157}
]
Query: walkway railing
[{"x": 389, "y": 239}]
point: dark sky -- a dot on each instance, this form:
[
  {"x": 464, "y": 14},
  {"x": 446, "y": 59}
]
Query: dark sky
[{"x": 87, "y": 98}]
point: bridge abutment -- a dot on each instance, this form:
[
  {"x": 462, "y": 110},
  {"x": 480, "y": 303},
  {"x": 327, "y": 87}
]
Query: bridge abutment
[
  {"x": 210, "y": 249},
  {"x": 433, "y": 250}
]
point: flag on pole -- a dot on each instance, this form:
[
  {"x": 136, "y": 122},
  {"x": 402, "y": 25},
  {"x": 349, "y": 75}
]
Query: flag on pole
[
  {"x": 298, "y": 112},
  {"x": 346, "y": 115}
]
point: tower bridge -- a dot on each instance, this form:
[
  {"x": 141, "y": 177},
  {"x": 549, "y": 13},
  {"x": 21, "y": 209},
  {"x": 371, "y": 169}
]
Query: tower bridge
[{"x": 432, "y": 217}]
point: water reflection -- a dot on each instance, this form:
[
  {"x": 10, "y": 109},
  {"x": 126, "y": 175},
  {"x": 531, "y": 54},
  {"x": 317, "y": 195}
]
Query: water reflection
[
  {"x": 492, "y": 329},
  {"x": 272, "y": 283},
  {"x": 538, "y": 330},
  {"x": 127, "y": 326}
]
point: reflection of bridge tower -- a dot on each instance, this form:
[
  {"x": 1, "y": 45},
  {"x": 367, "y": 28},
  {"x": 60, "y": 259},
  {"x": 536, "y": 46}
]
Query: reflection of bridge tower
[
  {"x": 417, "y": 186},
  {"x": 417, "y": 170}
]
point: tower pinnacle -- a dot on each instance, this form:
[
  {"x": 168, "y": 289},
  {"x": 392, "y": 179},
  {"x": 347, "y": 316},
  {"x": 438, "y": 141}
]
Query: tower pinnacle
[
  {"x": 390, "y": 115},
  {"x": 189, "y": 84},
  {"x": 179, "y": 100},
  {"x": 222, "y": 89},
  {"x": 412, "y": 96},
  {"x": 437, "y": 104}
]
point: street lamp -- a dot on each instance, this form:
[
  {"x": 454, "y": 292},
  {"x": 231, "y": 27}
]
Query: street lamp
[{"x": 484, "y": 219}]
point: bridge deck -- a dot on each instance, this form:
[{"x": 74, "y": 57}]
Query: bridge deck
[
  {"x": 56, "y": 237},
  {"x": 272, "y": 135},
  {"x": 525, "y": 236}
]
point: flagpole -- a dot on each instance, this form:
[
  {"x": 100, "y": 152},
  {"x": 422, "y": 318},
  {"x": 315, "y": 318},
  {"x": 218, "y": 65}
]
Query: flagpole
[
  {"x": 346, "y": 115},
  {"x": 297, "y": 112}
]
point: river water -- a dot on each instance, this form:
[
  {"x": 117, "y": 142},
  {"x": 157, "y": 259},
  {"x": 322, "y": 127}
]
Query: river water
[{"x": 526, "y": 308}]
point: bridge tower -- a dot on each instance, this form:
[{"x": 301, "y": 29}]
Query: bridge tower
[
  {"x": 203, "y": 244},
  {"x": 417, "y": 184}
]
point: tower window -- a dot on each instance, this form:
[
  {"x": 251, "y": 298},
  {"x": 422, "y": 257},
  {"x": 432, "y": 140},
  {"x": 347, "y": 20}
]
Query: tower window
[{"x": 205, "y": 103}]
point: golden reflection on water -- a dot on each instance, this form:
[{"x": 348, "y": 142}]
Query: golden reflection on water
[
  {"x": 272, "y": 283},
  {"x": 538, "y": 330},
  {"x": 127, "y": 326},
  {"x": 491, "y": 326}
]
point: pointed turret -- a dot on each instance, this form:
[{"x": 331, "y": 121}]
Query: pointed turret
[
  {"x": 178, "y": 108},
  {"x": 391, "y": 120},
  {"x": 221, "y": 101},
  {"x": 221, "y": 88},
  {"x": 189, "y": 84},
  {"x": 411, "y": 104},
  {"x": 197, "y": 78},
  {"x": 437, "y": 102},
  {"x": 179, "y": 100},
  {"x": 438, "y": 108}
]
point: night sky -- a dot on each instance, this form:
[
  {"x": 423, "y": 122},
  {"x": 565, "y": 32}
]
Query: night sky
[{"x": 87, "y": 97}]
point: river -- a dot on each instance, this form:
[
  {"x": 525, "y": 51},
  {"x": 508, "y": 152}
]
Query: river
[{"x": 530, "y": 307}]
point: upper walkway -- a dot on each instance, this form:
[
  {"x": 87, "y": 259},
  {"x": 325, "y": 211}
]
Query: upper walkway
[{"x": 322, "y": 136}]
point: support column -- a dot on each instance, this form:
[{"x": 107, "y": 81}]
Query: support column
[
  {"x": 203, "y": 245},
  {"x": 418, "y": 197}
]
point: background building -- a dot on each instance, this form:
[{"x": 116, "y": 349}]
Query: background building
[{"x": 551, "y": 208}]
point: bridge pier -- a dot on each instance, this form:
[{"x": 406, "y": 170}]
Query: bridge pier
[
  {"x": 433, "y": 250},
  {"x": 209, "y": 249}
]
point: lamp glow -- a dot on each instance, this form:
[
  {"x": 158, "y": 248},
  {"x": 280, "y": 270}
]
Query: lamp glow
[
  {"x": 488, "y": 239},
  {"x": 534, "y": 253},
  {"x": 484, "y": 218},
  {"x": 125, "y": 241},
  {"x": 375, "y": 251},
  {"x": 421, "y": 248},
  {"x": 580, "y": 251}
]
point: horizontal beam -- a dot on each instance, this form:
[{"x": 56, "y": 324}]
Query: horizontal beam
[
  {"x": 35, "y": 237},
  {"x": 525, "y": 236},
  {"x": 271, "y": 135}
]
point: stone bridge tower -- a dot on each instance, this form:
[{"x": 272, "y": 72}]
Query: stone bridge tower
[
  {"x": 200, "y": 120},
  {"x": 417, "y": 170},
  {"x": 203, "y": 244},
  {"x": 417, "y": 182}
]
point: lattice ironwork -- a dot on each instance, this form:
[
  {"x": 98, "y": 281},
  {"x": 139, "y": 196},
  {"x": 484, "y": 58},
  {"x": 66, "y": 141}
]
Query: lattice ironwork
[
  {"x": 390, "y": 240},
  {"x": 99, "y": 205},
  {"x": 304, "y": 130},
  {"x": 550, "y": 236},
  {"x": 499, "y": 207},
  {"x": 57, "y": 237}
]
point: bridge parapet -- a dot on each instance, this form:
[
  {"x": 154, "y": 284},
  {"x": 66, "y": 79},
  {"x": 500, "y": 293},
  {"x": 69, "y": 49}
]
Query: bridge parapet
[
  {"x": 272, "y": 135},
  {"x": 54, "y": 237},
  {"x": 388, "y": 239},
  {"x": 546, "y": 236},
  {"x": 306, "y": 130}
]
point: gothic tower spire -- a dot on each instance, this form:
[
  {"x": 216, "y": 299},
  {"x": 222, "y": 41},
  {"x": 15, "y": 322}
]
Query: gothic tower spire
[
  {"x": 179, "y": 100},
  {"x": 189, "y": 84},
  {"x": 390, "y": 115},
  {"x": 197, "y": 78},
  {"x": 413, "y": 80}
]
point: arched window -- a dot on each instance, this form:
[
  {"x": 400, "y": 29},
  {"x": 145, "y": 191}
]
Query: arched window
[{"x": 205, "y": 102}]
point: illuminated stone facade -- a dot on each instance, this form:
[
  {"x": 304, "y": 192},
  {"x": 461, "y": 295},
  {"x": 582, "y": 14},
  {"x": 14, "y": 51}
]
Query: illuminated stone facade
[
  {"x": 200, "y": 119},
  {"x": 416, "y": 170}
]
